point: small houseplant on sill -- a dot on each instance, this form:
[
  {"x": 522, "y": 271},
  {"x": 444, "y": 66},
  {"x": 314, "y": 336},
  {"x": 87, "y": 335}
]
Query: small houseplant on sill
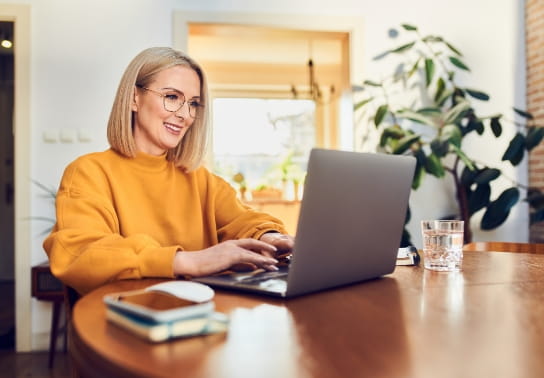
[{"x": 421, "y": 110}]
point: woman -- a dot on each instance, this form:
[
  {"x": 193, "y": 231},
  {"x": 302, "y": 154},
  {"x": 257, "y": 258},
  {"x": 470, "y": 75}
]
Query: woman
[{"x": 145, "y": 207}]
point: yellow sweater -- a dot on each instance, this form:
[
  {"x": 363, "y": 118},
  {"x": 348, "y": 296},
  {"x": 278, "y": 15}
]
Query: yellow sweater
[{"x": 121, "y": 218}]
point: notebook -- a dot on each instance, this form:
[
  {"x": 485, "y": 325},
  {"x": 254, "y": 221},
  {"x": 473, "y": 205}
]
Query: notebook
[{"x": 349, "y": 228}]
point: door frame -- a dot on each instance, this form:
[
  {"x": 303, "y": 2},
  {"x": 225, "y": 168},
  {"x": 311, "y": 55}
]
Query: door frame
[{"x": 20, "y": 16}]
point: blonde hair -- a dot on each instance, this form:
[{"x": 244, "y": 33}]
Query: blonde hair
[{"x": 190, "y": 152}]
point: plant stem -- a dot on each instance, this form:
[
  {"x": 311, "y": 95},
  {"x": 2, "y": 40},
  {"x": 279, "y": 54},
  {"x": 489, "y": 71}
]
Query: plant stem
[{"x": 462, "y": 201}]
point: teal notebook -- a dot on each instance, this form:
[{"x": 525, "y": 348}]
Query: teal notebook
[{"x": 156, "y": 331}]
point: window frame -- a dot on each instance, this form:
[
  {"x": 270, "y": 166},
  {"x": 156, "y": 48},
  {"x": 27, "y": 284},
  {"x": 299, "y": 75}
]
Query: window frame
[{"x": 326, "y": 109}]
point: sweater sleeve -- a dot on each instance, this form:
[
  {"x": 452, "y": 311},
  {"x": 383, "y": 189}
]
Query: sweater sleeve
[
  {"x": 236, "y": 220},
  {"x": 86, "y": 248}
]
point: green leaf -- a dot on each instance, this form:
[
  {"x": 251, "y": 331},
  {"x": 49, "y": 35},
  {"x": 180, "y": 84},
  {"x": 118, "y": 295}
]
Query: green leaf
[
  {"x": 418, "y": 177},
  {"x": 535, "y": 198},
  {"x": 432, "y": 38},
  {"x": 537, "y": 216},
  {"x": 50, "y": 192},
  {"x": 444, "y": 96},
  {"x": 399, "y": 73},
  {"x": 405, "y": 143},
  {"x": 458, "y": 95},
  {"x": 523, "y": 113},
  {"x": 413, "y": 70},
  {"x": 429, "y": 71},
  {"x": 477, "y": 125},
  {"x": 508, "y": 198},
  {"x": 515, "y": 151},
  {"x": 450, "y": 46},
  {"x": 416, "y": 117},
  {"x": 381, "y": 55},
  {"x": 468, "y": 175},
  {"x": 396, "y": 131},
  {"x": 496, "y": 126},
  {"x": 457, "y": 63},
  {"x": 451, "y": 133},
  {"x": 479, "y": 198},
  {"x": 372, "y": 83},
  {"x": 420, "y": 157},
  {"x": 456, "y": 113},
  {"x": 360, "y": 104},
  {"x": 383, "y": 139},
  {"x": 440, "y": 147},
  {"x": 477, "y": 94},
  {"x": 497, "y": 211},
  {"x": 534, "y": 137},
  {"x": 434, "y": 166},
  {"x": 357, "y": 88},
  {"x": 440, "y": 86},
  {"x": 403, "y": 48},
  {"x": 486, "y": 175},
  {"x": 431, "y": 111},
  {"x": 409, "y": 27},
  {"x": 380, "y": 114},
  {"x": 463, "y": 157},
  {"x": 391, "y": 132}
]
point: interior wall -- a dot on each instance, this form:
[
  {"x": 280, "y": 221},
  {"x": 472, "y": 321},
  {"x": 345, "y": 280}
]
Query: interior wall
[{"x": 79, "y": 50}]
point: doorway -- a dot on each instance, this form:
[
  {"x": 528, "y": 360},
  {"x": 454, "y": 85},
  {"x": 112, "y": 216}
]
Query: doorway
[{"x": 7, "y": 208}]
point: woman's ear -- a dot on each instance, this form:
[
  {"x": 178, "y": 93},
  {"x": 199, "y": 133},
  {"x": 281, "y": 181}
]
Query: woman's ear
[{"x": 135, "y": 99}]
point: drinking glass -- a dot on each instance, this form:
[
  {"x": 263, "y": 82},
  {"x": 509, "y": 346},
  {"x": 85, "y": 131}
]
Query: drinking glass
[{"x": 442, "y": 244}]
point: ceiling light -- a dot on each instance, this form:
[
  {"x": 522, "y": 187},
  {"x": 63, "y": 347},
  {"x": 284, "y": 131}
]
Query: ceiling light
[{"x": 6, "y": 43}]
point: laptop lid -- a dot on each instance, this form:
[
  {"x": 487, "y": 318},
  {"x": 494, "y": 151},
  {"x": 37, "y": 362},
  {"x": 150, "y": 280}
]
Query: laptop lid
[
  {"x": 350, "y": 224},
  {"x": 351, "y": 219}
]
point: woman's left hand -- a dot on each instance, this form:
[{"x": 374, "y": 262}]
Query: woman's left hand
[{"x": 284, "y": 243}]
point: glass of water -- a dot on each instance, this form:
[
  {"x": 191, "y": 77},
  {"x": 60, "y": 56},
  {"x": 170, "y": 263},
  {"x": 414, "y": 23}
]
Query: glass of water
[{"x": 442, "y": 244}]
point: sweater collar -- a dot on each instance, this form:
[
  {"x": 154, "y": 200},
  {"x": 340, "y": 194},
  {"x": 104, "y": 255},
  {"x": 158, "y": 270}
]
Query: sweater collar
[{"x": 150, "y": 162}]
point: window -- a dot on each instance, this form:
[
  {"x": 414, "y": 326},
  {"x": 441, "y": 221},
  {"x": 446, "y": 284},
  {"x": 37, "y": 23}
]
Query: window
[
  {"x": 262, "y": 81},
  {"x": 262, "y": 144}
]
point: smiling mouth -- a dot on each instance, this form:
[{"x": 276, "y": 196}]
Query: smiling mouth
[{"x": 173, "y": 128}]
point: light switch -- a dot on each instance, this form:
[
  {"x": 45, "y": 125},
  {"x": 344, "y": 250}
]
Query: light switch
[
  {"x": 67, "y": 136},
  {"x": 83, "y": 135},
  {"x": 51, "y": 136}
]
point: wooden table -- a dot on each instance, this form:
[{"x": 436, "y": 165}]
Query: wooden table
[{"x": 485, "y": 321}]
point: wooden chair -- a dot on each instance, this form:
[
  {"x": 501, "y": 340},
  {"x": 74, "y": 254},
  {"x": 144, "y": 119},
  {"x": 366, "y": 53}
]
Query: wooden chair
[{"x": 504, "y": 247}]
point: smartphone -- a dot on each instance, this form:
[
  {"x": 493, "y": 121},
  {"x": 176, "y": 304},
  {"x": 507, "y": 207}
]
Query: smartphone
[{"x": 157, "y": 306}]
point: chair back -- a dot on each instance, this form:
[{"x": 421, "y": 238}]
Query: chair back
[{"x": 504, "y": 247}]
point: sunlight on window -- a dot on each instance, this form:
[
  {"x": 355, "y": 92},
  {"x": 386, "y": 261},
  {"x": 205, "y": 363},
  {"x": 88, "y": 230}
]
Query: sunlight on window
[{"x": 268, "y": 141}]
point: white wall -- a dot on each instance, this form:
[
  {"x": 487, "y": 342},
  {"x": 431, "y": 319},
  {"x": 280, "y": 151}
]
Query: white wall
[{"x": 80, "y": 49}]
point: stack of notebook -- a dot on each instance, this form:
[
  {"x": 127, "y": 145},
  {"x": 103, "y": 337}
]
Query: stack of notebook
[{"x": 167, "y": 310}]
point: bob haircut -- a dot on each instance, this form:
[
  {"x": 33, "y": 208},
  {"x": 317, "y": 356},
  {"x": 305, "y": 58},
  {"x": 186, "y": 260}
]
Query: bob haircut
[{"x": 190, "y": 152}]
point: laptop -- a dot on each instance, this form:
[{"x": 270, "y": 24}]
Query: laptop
[{"x": 349, "y": 228}]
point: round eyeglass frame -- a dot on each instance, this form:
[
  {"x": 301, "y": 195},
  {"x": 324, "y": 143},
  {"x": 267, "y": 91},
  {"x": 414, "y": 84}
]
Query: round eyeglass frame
[{"x": 192, "y": 108}]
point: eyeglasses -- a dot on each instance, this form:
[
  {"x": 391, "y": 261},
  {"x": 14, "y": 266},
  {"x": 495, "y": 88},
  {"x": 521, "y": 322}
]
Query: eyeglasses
[{"x": 174, "y": 100}]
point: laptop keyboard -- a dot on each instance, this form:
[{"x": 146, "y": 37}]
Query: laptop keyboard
[{"x": 262, "y": 276}]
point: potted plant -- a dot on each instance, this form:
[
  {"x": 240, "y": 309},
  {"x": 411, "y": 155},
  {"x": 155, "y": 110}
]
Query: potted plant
[
  {"x": 422, "y": 110},
  {"x": 240, "y": 179}
]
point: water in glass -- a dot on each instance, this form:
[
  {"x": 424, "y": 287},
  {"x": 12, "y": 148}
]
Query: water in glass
[{"x": 443, "y": 249}]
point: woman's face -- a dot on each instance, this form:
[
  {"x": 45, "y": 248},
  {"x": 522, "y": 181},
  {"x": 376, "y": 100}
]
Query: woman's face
[{"x": 155, "y": 128}]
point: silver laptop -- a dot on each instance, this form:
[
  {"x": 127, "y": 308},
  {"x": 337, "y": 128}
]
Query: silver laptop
[{"x": 349, "y": 228}]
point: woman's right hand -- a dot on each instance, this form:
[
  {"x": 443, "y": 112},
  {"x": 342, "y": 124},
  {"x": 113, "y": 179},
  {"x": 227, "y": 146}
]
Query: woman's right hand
[{"x": 223, "y": 256}]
